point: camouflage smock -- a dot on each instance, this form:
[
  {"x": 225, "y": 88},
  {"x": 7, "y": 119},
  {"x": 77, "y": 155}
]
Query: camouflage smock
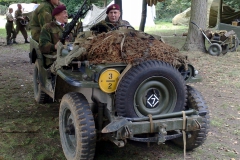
[
  {"x": 49, "y": 36},
  {"x": 106, "y": 25},
  {"x": 41, "y": 16}
]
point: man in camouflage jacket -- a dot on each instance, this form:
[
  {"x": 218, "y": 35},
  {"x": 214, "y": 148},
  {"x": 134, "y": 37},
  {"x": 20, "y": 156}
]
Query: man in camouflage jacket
[
  {"x": 41, "y": 16},
  {"x": 51, "y": 34},
  {"x": 11, "y": 33},
  {"x": 19, "y": 26},
  {"x": 112, "y": 21}
]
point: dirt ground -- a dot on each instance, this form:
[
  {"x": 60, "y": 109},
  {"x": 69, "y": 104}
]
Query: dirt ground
[{"x": 30, "y": 131}]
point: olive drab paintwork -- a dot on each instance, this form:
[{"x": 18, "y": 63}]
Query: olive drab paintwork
[
  {"x": 11, "y": 32},
  {"x": 106, "y": 25},
  {"x": 19, "y": 26},
  {"x": 41, "y": 16}
]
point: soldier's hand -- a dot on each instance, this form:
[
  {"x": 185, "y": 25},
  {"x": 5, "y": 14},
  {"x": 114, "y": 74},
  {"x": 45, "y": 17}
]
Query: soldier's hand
[{"x": 56, "y": 45}]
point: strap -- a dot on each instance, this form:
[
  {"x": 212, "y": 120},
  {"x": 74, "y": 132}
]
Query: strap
[
  {"x": 50, "y": 56},
  {"x": 184, "y": 133},
  {"x": 151, "y": 123},
  {"x": 129, "y": 66}
]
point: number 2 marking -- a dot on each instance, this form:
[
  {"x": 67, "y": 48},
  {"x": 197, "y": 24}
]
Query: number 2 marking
[{"x": 109, "y": 85}]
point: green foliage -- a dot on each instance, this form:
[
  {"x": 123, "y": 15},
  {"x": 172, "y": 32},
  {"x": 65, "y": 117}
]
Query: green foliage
[
  {"x": 8, "y": 2},
  {"x": 73, "y": 5},
  {"x": 166, "y": 10},
  {"x": 232, "y": 3},
  {"x": 3, "y": 9}
]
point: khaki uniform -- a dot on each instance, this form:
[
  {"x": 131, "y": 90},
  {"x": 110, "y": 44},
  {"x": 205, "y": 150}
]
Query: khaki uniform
[
  {"x": 11, "y": 33},
  {"x": 49, "y": 36},
  {"x": 41, "y": 16},
  {"x": 19, "y": 26},
  {"x": 106, "y": 25}
]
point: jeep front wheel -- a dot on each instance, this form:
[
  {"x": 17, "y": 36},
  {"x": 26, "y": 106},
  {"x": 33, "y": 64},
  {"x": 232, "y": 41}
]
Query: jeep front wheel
[
  {"x": 152, "y": 87},
  {"x": 40, "y": 96},
  {"x": 77, "y": 127},
  {"x": 195, "y": 101}
]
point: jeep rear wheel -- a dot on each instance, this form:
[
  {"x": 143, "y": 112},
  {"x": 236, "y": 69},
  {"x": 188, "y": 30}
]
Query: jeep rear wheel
[
  {"x": 77, "y": 127},
  {"x": 152, "y": 87},
  {"x": 195, "y": 101},
  {"x": 40, "y": 96}
]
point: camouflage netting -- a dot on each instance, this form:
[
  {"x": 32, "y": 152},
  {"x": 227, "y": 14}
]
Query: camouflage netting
[{"x": 128, "y": 46}]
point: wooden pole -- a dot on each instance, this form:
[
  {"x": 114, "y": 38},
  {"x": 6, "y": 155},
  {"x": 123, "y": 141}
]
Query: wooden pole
[
  {"x": 219, "y": 16},
  {"x": 144, "y": 15}
]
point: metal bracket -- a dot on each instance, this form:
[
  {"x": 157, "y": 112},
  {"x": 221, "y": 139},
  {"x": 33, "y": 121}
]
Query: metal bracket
[
  {"x": 162, "y": 134},
  {"x": 119, "y": 143}
]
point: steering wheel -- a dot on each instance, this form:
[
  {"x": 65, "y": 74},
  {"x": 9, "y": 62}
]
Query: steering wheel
[{"x": 124, "y": 25}]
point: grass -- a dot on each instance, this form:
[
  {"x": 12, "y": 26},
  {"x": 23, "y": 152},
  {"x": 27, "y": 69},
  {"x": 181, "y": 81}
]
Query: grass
[{"x": 216, "y": 122}]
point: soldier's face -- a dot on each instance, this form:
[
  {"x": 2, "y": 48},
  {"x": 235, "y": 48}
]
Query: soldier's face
[
  {"x": 55, "y": 2},
  {"x": 114, "y": 15},
  {"x": 62, "y": 17},
  {"x": 19, "y": 6}
]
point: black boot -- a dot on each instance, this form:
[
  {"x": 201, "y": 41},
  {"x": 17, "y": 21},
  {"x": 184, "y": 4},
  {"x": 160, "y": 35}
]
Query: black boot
[
  {"x": 9, "y": 42},
  {"x": 14, "y": 41},
  {"x": 26, "y": 41}
]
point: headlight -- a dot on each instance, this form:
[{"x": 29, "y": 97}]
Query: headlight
[{"x": 196, "y": 72}]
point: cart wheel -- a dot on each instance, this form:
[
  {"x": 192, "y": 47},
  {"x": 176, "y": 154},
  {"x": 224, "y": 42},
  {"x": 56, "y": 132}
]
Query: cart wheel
[
  {"x": 225, "y": 49},
  {"x": 234, "y": 44},
  {"x": 215, "y": 49}
]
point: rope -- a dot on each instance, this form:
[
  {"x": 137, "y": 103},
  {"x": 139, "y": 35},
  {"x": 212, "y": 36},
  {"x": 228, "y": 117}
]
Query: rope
[
  {"x": 151, "y": 126},
  {"x": 184, "y": 134}
]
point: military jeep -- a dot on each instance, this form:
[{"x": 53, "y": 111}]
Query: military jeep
[{"x": 149, "y": 100}]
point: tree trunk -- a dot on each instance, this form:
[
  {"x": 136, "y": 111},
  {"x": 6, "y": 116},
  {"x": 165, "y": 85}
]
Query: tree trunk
[
  {"x": 220, "y": 10},
  {"x": 195, "y": 40},
  {"x": 144, "y": 15},
  {"x": 105, "y": 3},
  {"x": 119, "y": 2}
]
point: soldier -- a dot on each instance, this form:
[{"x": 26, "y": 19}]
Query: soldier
[
  {"x": 111, "y": 21},
  {"x": 19, "y": 26},
  {"x": 11, "y": 33},
  {"x": 51, "y": 33},
  {"x": 41, "y": 16}
]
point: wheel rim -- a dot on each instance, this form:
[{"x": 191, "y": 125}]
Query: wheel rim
[
  {"x": 155, "y": 95},
  {"x": 68, "y": 131},
  {"x": 186, "y": 73},
  {"x": 214, "y": 50}
]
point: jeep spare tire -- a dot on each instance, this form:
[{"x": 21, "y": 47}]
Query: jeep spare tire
[{"x": 152, "y": 87}]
